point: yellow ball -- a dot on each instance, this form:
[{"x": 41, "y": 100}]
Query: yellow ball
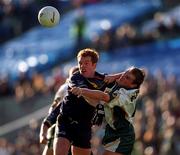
[{"x": 48, "y": 16}]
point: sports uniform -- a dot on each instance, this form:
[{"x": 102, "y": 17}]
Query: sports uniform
[
  {"x": 62, "y": 91},
  {"x": 119, "y": 109},
  {"x": 50, "y": 120},
  {"x": 74, "y": 121},
  {"x": 119, "y": 132}
]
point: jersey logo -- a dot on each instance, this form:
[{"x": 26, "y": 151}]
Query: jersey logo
[{"x": 97, "y": 85}]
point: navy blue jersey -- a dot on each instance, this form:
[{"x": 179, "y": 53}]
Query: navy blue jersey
[
  {"x": 52, "y": 116},
  {"x": 78, "y": 108}
]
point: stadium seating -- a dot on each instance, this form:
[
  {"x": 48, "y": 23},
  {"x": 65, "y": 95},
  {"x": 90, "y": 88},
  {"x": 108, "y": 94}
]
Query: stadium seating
[{"x": 56, "y": 44}]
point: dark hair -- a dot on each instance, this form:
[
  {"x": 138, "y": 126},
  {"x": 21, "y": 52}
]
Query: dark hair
[
  {"x": 89, "y": 52},
  {"x": 139, "y": 75}
]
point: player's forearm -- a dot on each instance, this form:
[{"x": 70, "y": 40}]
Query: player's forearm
[
  {"x": 42, "y": 134},
  {"x": 91, "y": 101},
  {"x": 95, "y": 94},
  {"x": 44, "y": 128},
  {"x": 112, "y": 77},
  {"x": 116, "y": 76}
]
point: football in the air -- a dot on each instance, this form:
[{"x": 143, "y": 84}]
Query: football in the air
[{"x": 48, "y": 16}]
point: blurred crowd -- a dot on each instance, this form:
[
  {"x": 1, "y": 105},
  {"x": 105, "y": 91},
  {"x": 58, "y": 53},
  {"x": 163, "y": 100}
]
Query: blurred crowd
[
  {"x": 157, "y": 119},
  {"x": 26, "y": 87},
  {"x": 161, "y": 26},
  {"x": 126, "y": 35},
  {"x": 157, "y": 123},
  {"x": 14, "y": 14}
]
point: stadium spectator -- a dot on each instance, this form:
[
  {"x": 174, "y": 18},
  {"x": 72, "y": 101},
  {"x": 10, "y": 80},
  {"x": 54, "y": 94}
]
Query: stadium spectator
[{"x": 79, "y": 29}]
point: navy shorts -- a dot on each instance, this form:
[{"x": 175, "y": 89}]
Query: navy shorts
[{"x": 78, "y": 133}]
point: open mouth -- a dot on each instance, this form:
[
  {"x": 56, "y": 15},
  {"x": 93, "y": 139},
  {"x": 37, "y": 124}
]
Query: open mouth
[{"x": 83, "y": 70}]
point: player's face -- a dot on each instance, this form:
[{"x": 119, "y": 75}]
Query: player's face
[
  {"x": 86, "y": 67},
  {"x": 127, "y": 80}
]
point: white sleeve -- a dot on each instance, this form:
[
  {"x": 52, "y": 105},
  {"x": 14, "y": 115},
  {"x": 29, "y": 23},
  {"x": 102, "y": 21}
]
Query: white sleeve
[{"x": 126, "y": 99}]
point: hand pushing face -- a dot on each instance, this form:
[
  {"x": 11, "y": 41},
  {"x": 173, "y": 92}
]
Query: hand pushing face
[{"x": 126, "y": 79}]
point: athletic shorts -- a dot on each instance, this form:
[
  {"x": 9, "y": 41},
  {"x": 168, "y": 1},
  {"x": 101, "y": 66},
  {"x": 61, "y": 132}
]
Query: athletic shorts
[
  {"x": 119, "y": 141},
  {"x": 77, "y": 133}
]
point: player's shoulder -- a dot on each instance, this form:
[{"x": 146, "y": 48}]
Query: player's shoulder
[
  {"x": 77, "y": 73},
  {"x": 77, "y": 80},
  {"x": 99, "y": 75},
  {"x": 62, "y": 90},
  {"x": 75, "y": 76},
  {"x": 63, "y": 87}
]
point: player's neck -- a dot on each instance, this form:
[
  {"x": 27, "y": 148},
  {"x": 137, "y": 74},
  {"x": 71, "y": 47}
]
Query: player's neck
[{"x": 90, "y": 75}]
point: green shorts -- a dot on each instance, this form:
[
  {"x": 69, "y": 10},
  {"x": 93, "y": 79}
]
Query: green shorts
[{"x": 120, "y": 141}]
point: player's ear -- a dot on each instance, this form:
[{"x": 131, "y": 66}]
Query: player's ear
[{"x": 94, "y": 65}]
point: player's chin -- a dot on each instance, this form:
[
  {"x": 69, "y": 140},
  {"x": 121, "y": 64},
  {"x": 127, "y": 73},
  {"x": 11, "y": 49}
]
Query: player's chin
[{"x": 84, "y": 73}]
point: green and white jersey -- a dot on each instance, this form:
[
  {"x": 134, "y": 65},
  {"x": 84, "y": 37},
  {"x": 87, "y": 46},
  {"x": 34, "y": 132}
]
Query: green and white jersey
[{"x": 126, "y": 99}]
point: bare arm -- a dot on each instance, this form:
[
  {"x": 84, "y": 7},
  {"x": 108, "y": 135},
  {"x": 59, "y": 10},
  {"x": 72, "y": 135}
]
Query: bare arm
[
  {"x": 91, "y": 101},
  {"x": 95, "y": 94},
  {"x": 43, "y": 133},
  {"x": 92, "y": 96},
  {"x": 112, "y": 77}
]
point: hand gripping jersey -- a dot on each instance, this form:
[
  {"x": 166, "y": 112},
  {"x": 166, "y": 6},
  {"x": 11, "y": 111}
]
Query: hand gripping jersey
[
  {"x": 120, "y": 97},
  {"x": 50, "y": 120}
]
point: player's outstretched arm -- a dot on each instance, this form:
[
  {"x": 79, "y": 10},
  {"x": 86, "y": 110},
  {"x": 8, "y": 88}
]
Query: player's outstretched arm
[
  {"x": 43, "y": 133},
  {"x": 112, "y": 77},
  {"x": 89, "y": 94}
]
